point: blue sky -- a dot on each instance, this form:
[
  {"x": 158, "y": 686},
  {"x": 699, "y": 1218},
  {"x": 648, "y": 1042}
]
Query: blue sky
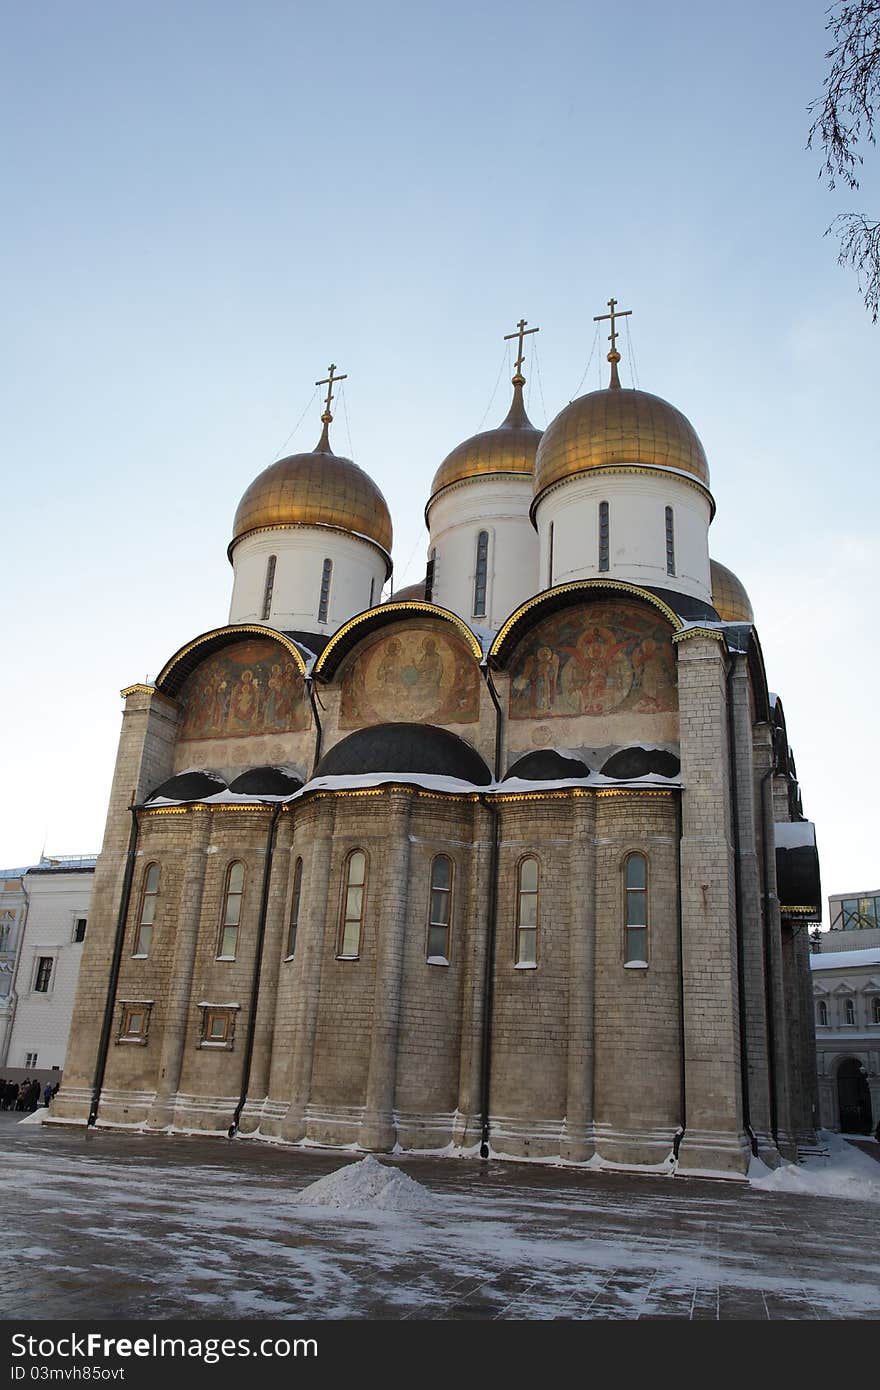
[{"x": 205, "y": 204}]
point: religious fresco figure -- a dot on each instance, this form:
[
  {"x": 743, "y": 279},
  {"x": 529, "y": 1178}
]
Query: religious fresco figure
[
  {"x": 594, "y": 659},
  {"x": 410, "y": 675},
  {"x": 250, "y": 687}
]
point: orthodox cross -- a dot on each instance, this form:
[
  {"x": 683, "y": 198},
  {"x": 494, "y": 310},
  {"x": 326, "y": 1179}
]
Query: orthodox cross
[
  {"x": 329, "y": 383},
  {"x": 521, "y": 332},
  {"x": 615, "y": 314}
]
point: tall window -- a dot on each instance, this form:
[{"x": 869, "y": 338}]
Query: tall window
[
  {"x": 550, "y": 557},
  {"x": 440, "y": 910},
  {"x": 324, "y": 604},
  {"x": 294, "y": 908},
  {"x": 527, "y": 913},
  {"x": 269, "y": 586},
  {"x": 822, "y": 1012},
  {"x": 79, "y": 929},
  {"x": 849, "y": 1011},
  {"x": 43, "y": 977},
  {"x": 429, "y": 577},
  {"x": 149, "y": 893},
  {"x": 670, "y": 542},
  {"x": 604, "y": 535},
  {"x": 230, "y": 919},
  {"x": 875, "y": 1010},
  {"x": 372, "y": 592},
  {"x": 636, "y": 891},
  {"x": 352, "y": 915},
  {"x": 481, "y": 574}
]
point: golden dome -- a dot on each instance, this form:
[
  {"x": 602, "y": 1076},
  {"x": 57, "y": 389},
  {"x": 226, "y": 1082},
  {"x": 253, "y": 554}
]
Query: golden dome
[
  {"x": 410, "y": 591},
  {"x": 316, "y": 489},
  {"x": 729, "y": 598},
  {"x": 618, "y": 426},
  {"x": 510, "y": 448}
]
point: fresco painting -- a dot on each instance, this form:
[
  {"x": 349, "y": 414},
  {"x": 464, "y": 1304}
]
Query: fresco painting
[
  {"x": 251, "y": 688},
  {"x": 412, "y": 676},
  {"x": 594, "y": 659}
]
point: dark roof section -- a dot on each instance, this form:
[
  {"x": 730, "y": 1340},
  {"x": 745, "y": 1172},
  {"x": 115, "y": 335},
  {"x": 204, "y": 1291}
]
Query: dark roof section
[
  {"x": 629, "y": 763},
  {"x": 266, "y": 781},
  {"x": 405, "y": 748},
  {"x": 189, "y": 786},
  {"x": 311, "y": 643},
  {"x": 797, "y": 867},
  {"x": 546, "y": 765},
  {"x": 689, "y": 609}
]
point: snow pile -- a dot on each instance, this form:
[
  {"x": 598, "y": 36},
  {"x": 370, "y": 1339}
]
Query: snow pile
[
  {"x": 368, "y": 1184},
  {"x": 35, "y": 1117},
  {"x": 846, "y": 1172}
]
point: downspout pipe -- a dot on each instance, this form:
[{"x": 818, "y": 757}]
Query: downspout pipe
[
  {"x": 489, "y": 977},
  {"x": 319, "y": 733},
  {"x": 682, "y": 1069},
  {"x": 740, "y": 931},
  {"x": 490, "y": 684},
  {"x": 107, "y": 1025},
  {"x": 255, "y": 984},
  {"x": 768, "y": 954}
]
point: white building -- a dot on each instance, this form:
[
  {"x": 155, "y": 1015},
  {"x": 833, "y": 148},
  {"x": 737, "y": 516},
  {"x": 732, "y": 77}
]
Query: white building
[
  {"x": 57, "y": 894},
  {"x": 846, "y": 994}
]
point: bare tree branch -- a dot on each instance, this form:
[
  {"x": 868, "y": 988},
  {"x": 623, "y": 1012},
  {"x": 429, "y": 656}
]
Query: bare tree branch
[{"x": 860, "y": 248}]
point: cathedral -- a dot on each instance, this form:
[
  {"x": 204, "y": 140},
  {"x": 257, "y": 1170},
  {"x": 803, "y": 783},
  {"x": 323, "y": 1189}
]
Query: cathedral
[{"x": 512, "y": 863}]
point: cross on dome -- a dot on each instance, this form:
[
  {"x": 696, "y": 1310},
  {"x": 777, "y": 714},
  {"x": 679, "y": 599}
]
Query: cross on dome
[
  {"x": 521, "y": 332},
  {"x": 614, "y": 355}
]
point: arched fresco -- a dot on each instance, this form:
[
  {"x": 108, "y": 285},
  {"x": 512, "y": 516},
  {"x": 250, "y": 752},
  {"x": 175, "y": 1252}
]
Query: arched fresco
[
  {"x": 249, "y": 688},
  {"x": 423, "y": 674},
  {"x": 594, "y": 659}
]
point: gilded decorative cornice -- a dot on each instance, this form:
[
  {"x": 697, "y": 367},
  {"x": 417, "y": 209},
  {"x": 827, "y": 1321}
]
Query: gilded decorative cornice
[
  {"x": 376, "y": 617},
  {"x": 221, "y": 636},
  {"x": 689, "y": 632},
  {"x": 580, "y": 586}
]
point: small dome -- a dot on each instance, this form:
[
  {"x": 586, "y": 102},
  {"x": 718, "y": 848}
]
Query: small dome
[
  {"x": 618, "y": 426},
  {"x": 729, "y": 598},
  {"x": 510, "y": 448},
  {"x": 266, "y": 781},
  {"x": 405, "y": 748},
  {"x": 630, "y": 763},
  {"x": 547, "y": 765},
  {"x": 411, "y": 591},
  {"x": 194, "y": 785},
  {"x": 316, "y": 489}
]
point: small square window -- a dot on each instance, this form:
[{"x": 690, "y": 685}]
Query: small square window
[
  {"x": 30, "y": 1059},
  {"x": 218, "y": 1026},
  {"x": 134, "y": 1023}
]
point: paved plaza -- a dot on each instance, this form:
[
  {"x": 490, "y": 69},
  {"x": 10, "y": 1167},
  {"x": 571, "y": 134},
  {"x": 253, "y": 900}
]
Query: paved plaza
[{"x": 125, "y": 1225}]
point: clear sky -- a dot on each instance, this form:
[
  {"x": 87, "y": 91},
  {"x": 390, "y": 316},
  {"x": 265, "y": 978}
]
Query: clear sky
[{"x": 206, "y": 203}]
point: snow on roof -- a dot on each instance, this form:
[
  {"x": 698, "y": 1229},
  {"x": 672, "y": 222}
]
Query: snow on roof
[{"x": 849, "y": 960}]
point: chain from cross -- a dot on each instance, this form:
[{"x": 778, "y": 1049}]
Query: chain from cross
[
  {"x": 329, "y": 382},
  {"x": 615, "y": 314},
  {"x": 521, "y": 332}
]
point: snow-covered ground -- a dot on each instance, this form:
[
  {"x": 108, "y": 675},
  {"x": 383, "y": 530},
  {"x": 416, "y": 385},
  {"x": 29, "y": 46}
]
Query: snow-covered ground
[{"x": 846, "y": 1172}]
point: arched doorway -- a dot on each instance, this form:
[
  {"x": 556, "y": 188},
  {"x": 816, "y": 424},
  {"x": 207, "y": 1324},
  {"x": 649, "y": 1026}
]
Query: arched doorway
[{"x": 854, "y": 1097}]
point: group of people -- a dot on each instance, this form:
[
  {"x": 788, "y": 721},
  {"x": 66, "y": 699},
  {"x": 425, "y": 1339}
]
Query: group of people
[{"x": 25, "y": 1095}]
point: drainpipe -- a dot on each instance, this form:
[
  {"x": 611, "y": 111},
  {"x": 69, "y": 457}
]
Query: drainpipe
[
  {"x": 498, "y": 718},
  {"x": 682, "y": 1070},
  {"x": 310, "y": 686},
  {"x": 737, "y": 897},
  {"x": 255, "y": 986},
  {"x": 768, "y": 954},
  {"x": 489, "y": 977},
  {"x": 107, "y": 1026}
]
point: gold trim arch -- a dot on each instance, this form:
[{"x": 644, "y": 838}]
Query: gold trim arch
[
  {"x": 341, "y": 642},
  {"x": 549, "y": 598},
  {"x": 170, "y": 678}
]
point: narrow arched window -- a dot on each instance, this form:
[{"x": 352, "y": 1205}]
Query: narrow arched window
[
  {"x": 670, "y": 542},
  {"x": 822, "y": 1013},
  {"x": 230, "y": 919},
  {"x": 440, "y": 910},
  {"x": 147, "y": 915},
  {"x": 324, "y": 603},
  {"x": 604, "y": 535},
  {"x": 481, "y": 574},
  {"x": 849, "y": 1011},
  {"x": 550, "y": 557},
  {"x": 635, "y": 947},
  {"x": 353, "y": 901},
  {"x": 293, "y": 925},
  {"x": 527, "y": 913},
  {"x": 429, "y": 576},
  {"x": 875, "y": 1010},
  {"x": 269, "y": 586}
]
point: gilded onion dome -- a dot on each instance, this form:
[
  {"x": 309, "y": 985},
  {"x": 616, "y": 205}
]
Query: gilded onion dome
[
  {"x": 729, "y": 598},
  {"x": 315, "y": 489},
  {"x": 614, "y": 427},
  {"x": 510, "y": 448}
]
